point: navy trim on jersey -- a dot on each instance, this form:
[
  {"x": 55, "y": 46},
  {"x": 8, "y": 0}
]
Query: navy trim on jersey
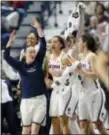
[
  {"x": 26, "y": 125},
  {"x": 101, "y": 105},
  {"x": 83, "y": 120},
  {"x": 36, "y": 123},
  {"x": 40, "y": 122},
  {"x": 43, "y": 119},
  {"x": 68, "y": 101},
  {"x": 75, "y": 108}
]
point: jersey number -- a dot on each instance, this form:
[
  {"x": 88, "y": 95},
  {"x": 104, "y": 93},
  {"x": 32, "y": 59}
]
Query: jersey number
[{"x": 67, "y": 82}]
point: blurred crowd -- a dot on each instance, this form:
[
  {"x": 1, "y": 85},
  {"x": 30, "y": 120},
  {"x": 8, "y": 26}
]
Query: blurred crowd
[
  {"x": 97, "y": 20},
  {"x": 12, "y": 13}
]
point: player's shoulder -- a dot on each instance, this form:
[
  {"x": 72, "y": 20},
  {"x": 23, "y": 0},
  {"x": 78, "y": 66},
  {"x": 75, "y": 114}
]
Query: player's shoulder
[
  {"x": 48, "y": 56},
  {"x": 63, "y": 53},
  {"x": 91, "y": 55}
]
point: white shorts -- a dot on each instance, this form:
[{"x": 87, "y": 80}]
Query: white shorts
[
  {"x": 72, "y": 108},
  {"x": 33, "y": 110},
  {"x": 59, "y": 102},
  {"x": 73, "y": 104},
  {"x": 90, "y": 105}
]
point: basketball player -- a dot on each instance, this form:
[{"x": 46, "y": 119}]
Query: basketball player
[
  {"x": 72, "y": 108},
  {"x": 75, "y": 27},
  {"x": 63, "y": 89},
  {"x": 91, "y": 98},
  {"x": 33, "y": 102},
  {"x": 68, "y": 78},
  {"x": 54, "y": 61}
]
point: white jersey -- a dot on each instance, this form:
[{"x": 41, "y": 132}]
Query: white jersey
[
  {"x": 61, "y": 93},
  {"x": 55, "y": 64},
  {"x": 88, "y": 83},
  {"x": 91, "y": 99},
  {"x": 67, "y": 77}
]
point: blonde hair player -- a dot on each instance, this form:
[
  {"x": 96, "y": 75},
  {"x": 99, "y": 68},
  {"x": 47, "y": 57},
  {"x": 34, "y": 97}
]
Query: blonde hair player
[{"x": 33, "y": 100}]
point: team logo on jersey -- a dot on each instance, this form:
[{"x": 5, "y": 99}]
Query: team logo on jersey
[
  {"x": 54, "y": 66},
  {"x": 32, "y": 69},
  {"x": 70, "y": 74},
  {"x": 83, "y": 65},
  {"x": 70, "y": 24},
  {"x": 75, "y": 15},
  {"x": 67, "y": 82},
  {"x": 57, "y": 83}
]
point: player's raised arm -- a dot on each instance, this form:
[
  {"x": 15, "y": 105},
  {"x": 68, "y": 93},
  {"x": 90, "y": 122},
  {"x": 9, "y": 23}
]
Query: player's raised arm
[
  {"x": 42, "y": 43},
  {"x": 11, "y": 61},
  {"x": 81, "y": 22}
]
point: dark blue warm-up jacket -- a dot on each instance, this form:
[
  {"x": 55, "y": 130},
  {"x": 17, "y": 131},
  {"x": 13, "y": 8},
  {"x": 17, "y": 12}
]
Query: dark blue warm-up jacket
[{"x": 32, "y": 76}]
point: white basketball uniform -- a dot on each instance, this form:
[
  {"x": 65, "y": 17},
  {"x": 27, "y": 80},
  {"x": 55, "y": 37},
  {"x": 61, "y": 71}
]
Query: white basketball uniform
[
  {"x": 38, "y": 106},
  {"x": 55, "y": 65},
  {"x": 66, "y": 87},
  {"x": 91, "y": 97},
  {"x": 73, "y": 104}
]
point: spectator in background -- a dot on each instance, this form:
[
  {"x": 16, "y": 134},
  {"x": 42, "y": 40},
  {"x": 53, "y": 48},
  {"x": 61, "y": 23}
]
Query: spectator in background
[
  {"x": 8, "y": 110},
  {"x": 100, "y": 13},
  {"x": 20, "y": 6},
  {"x": 17, "y": 4},
  {"x": 7, "y": 107},
  {"x": 92, "y": 25},
  {"x": 89, "y": 11}
]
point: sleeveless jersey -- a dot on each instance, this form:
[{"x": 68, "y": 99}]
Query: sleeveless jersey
[
  {"x": 55, "y": 64},
  {"x": 88, "y": 83}
]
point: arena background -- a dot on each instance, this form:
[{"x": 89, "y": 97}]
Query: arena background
[{"x": 52, "y": 14}]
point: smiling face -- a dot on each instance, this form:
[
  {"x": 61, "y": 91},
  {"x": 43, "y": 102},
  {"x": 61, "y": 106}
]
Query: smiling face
[
  {"x": 31, "y": 39},
  {"x": 55, "y": 44},
  {"x": 30, "y": 54}
]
